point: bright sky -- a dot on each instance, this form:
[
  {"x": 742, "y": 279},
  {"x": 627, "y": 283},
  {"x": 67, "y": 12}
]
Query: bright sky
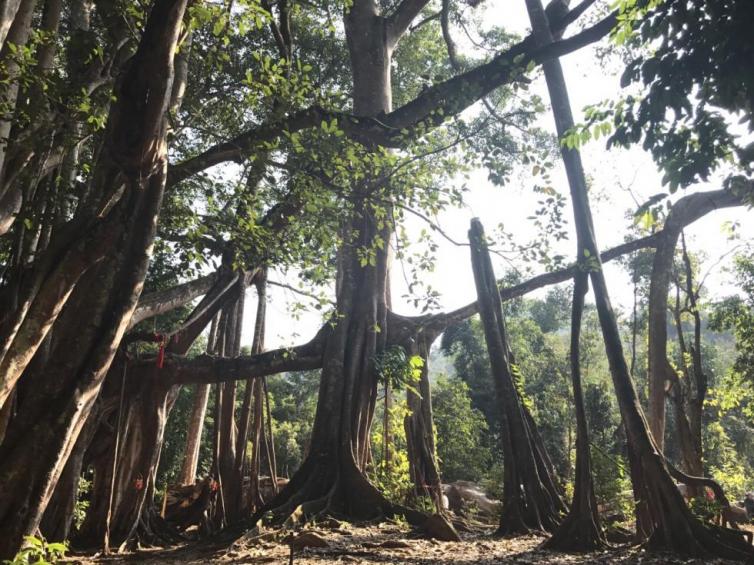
[{"x": 610, "y": 172}]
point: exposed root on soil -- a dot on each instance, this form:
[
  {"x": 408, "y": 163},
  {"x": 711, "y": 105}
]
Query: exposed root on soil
[
  {"x": 316, "y": 493},
  {"x": 679, "y": 530}
]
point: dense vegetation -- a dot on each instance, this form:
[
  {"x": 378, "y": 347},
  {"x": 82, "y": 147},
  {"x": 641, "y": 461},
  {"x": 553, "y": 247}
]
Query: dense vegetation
[{"x": 164, "y": 163}]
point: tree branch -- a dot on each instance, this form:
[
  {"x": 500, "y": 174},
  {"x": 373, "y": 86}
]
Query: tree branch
[
  {"x": 429, "y": 110},
  {"x": 439, "y": 322},
  {"x": 683, "y": 213},
  {"x": 162, "y": 301},
  {"x": 209, "y": 369},
  {"x": 397, "y": 23}
]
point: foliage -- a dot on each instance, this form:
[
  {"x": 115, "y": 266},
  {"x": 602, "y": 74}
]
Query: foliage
[
  {"x": 392, "y": 476},
  {"x": 736, "y": 314},
  {"x": 688, "y": 80},
  {"x": 293, "y": 400},
  {"x": 705, "y": 508},
  {"x": 82, "y": 501},
  {"x": 461, "y": 432},
  {"x": 37, "y": 551},
  {"x": 540, "y": 369},
  {"x": 396, "y": 369},
  {"x": 724, "y": 462}
]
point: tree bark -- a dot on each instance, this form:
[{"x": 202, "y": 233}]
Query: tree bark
[
  {"x": 660, "y": 372},
  {"x": 194, "y": 435},
  {"x": 8, "y": 11},
  {"x": 150, "y": 397},
  {"x": 420, "y": 436},
  {"x": 531, "y": 497},
  {"x": 252, "y": 412},
  {"x": 35, "y": 450}
]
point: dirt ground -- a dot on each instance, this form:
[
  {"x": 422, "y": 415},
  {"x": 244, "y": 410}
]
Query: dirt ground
[{"x": 380, "y": 544}]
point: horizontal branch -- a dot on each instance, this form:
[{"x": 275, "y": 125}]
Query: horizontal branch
[
  {"x": 206, "y": 369},
  {"x": 430, "y": 109},
  {"x": 397, "y": 23},
  {"x": 683, "y": 213},
  {"x": 437, "y": 323}
]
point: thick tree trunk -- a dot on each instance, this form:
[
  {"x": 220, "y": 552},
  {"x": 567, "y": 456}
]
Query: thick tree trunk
[
  {"x": 531, "y": 497},
  {"x": 8, "y": 11},
  {"x": 671, "y": 523},
  {"x": 331, "y": 478},
  {"x": 124, "y": 469},
  {"x": 660, "y": 372},
  {"x": 35, "y": 450}
]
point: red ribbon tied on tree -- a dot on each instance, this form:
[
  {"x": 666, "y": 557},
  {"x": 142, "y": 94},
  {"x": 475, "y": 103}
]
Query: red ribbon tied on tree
[{"x": 162, "y": 340}]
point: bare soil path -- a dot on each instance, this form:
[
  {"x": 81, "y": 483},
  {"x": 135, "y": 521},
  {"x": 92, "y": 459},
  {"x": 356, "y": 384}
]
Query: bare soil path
[{"x": 382, "y": 544}]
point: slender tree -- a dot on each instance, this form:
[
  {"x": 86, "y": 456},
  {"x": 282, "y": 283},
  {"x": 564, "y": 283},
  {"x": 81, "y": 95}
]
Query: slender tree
[
  {"x": 668, "y": 521},
  {"x": 531, "y": 496}
]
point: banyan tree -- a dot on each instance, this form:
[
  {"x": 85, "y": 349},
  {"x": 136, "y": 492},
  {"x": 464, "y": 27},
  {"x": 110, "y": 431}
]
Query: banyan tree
[{"x": 116, "y": 120}]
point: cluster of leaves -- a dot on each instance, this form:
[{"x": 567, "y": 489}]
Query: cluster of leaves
[
  {"x": 38, "y": 551},
  {"x": 293, "y": 399},
  {"x": 690, "y": 65},
  {"x": 731, "y": 399},
  {"x": 398, "y": 370},
  {"x": 461, "y": 430},
  {"x": 736, "y": 314},
  {"x": 392, "y": 475}
]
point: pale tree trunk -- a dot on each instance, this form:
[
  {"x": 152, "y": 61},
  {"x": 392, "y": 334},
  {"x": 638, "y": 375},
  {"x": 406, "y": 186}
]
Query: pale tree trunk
[
  {"x": 194, "y": 435},
  {"x": 17, "y": 34},
  {"x": 660, "y": 373},
  {"x": 8, "y": 11}
]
